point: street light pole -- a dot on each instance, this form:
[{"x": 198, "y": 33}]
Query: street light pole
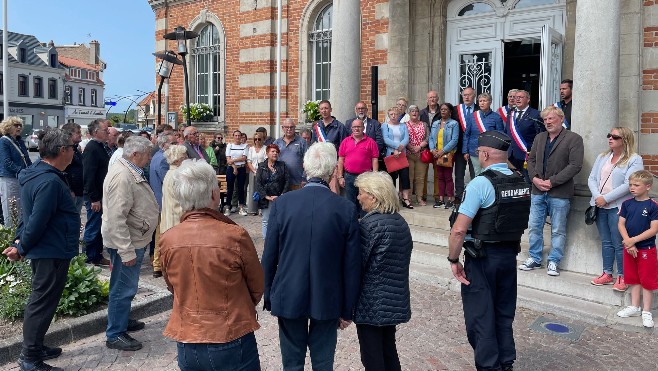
[
  {"x": 169, "y": 59},
  {"x": 181, "y": 36}
]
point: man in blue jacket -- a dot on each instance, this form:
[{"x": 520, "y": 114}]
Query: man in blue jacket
[
  {"x": 312, "y": 264},
  {"x": 48, "y": 235},
  {"x": 523, "y": 125}
]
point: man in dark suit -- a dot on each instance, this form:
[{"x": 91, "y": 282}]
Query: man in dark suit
[
  {"x": 194, "y": 150},
  {"x": 312, "y": 264},
  {"x": 463, "y": 114},
  {"x": 373, "y": 128},
  {"x": 522, "y": 126}
]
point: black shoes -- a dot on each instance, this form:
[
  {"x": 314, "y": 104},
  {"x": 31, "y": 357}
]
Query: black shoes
[
  {"x": 438, "y": 204},
  {"x": 104, "y": 262},
  {"x": 157, "y": 274},
  {"x": 36, "y": 366},
  {"x": 50, "y": 353},
  {"x": 135, "y": 325},
  {"x": 449, "y": 205},
  {"x": 124, "y": 342}
]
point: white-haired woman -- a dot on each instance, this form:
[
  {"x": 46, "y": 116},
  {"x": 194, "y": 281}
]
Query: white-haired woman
[
  {"x": 384, "y": 300},
  {"x": 171, "y": 209},
  {"x": 13, "y": 158},
  {"x": 608, "y": 182},
  {"x": 214, "y": 331}
]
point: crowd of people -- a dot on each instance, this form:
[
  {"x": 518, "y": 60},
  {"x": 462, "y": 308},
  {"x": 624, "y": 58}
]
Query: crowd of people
[{"x": 336, "y": 249}]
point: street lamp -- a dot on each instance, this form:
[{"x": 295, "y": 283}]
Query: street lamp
[
  {"x": 181, "y": 36},
  {"x": 169, "y": 60}
]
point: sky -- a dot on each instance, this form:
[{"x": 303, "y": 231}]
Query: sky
[{"x": 124, "y": 28}]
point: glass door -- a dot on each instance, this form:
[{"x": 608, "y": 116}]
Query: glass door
[
  {"x": 550, "y": 73},
  {"x": 478, "y": 66}
]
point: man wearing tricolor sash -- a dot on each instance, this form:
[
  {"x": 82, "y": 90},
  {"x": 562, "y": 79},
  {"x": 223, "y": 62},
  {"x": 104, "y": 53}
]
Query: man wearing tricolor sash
[
  {"x": 565, "y": 102},
  {"x": 483, "y": 120},
  {"x": 463, "y": 114},
  {"x": 328, "y": 129},
  {"x": 505, "y": 110},
  {"x": 522, "y": 126}
]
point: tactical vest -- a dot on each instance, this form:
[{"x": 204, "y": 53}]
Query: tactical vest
[{"x": 507, "y": 217}]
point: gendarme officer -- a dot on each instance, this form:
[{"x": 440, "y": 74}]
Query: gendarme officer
[{"x": 496, "y": 205}]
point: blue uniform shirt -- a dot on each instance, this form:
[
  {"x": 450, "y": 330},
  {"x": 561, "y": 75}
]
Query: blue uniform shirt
[{"x": 480, "y": 193}]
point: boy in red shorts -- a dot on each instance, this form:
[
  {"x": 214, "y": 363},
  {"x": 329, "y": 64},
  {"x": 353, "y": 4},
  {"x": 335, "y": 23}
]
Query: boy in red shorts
[{"x": 638, "y": 217}]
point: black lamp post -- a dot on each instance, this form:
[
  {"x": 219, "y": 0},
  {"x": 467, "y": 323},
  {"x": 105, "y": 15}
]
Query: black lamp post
[
  {"x": 169, "y": 60},
  {"x": 181, "y": 36}
]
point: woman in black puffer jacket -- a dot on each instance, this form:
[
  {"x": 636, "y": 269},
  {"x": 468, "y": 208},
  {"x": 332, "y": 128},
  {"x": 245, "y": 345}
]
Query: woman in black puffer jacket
[
  {"x": 386, "y": 253},
  {"x": 271, "y": 181}
]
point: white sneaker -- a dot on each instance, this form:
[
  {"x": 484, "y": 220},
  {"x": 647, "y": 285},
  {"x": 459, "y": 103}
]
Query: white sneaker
[
  {"x": 243, "y": 212},
  {"x": 552, "y": 269},
  {"x": 227, "y": 211},
  {"x": 529, "y": 265},
  {"x": 630, "y": 311},
  {"x": 647, "y": 319}
]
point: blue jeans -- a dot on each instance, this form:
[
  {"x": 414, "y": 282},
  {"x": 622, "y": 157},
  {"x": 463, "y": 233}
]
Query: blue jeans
[
  {"x": 266, "y": 218},
  {"x": 239, "y": 354},
  {"x": 611, "y": 247},
  {"x": 351, "y": 191},
  {"x": 92, "y": 237},
  {"x": 540, "y": 206},
  {"x": 123, "y": 287},
  {"x": 295, "y": 335}
]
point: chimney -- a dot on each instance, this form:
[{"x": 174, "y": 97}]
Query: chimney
[{"x": 94, "y": 52}]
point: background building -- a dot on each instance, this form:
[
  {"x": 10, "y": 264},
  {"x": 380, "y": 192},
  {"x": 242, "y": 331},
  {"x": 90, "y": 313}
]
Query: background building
[
  {"x": 147, "y": 111},
  {"x": 36, "y": 82}
]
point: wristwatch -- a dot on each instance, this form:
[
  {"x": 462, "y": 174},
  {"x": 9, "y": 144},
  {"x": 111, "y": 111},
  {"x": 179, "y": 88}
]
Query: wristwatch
[{"x": 453, "y": 261}]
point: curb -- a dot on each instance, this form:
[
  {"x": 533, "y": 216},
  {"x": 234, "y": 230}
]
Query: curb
[{"x": 69, "y": 330}]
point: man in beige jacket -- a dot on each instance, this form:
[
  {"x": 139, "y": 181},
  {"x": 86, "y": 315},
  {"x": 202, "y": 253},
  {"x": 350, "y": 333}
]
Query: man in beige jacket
[{"x": 129, "y": 219}]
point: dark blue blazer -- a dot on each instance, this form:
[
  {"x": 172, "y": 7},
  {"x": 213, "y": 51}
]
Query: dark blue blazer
[
  {"x": 528, "y": 126},
  {"x": 374, "y": 131},
  {"x": 312, "y": 256}
]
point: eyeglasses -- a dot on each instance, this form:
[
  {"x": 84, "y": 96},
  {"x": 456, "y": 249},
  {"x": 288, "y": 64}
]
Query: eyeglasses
[
  {"x": 288, "y": 127},
  {"x": 615, "y": 137},
  {"x": 195, "y": 134},
  {"x": 18, "y": 125},
  {"x": 258, "y": 140},
  {"x": 220, "y": 138}
]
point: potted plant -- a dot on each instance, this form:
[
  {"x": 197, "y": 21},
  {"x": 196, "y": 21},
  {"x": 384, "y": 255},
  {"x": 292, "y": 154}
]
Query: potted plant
[
  {"x": 199, "y": 112},
  {"x": 312, "y": 110}
]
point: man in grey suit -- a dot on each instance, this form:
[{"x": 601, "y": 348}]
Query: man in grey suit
[
  {"x": 194, "y": 149},
  {"x": 555, "y": 158},
  {"x": 373, "y": 128}
]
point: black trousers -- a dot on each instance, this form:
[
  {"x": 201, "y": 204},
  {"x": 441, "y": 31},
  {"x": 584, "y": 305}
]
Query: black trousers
[
  {"x": 378, "y": 350},
  {"x": 460, "y": 172},
  {"x": 489, "y": 307},
  {"x": 48, "y": 281}
]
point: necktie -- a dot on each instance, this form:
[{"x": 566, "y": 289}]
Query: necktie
[
  {"x": 519, "y": 114},
  {"x": 468, "y": 110}
]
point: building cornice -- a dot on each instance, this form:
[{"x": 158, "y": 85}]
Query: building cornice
[{"x": 159, "y": 4}]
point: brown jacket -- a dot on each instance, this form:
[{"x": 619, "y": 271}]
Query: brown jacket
[
  {"x": 564, "y": 162},
  {"x": 210, "y": 265}
]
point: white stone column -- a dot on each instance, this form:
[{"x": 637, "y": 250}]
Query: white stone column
[
  {"x": 345, "y": 58},
  {"x": 398, "y": 71},
  {"x": 595, "y": 76}
]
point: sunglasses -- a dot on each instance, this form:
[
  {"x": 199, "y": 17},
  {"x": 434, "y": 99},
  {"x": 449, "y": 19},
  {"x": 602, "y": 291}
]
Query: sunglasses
[
  {"x": 615, "y": 137},
  {"x": 18, "y": 125},
  {"x": 257, "y": 140}
]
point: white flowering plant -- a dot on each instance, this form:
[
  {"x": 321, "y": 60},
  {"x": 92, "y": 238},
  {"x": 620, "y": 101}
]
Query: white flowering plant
[
  {"x": 312, "y": 110},
  {"x": 198, "y": 112}
]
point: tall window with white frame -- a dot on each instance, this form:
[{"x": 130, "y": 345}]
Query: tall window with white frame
[
  {"x": 81, "y": 96},
  {"x": 207, "y": 62},
  {"x": 94, "y": 98},
  {"x": 320, "y": 39},
  {"x": 68, "y": 95}
]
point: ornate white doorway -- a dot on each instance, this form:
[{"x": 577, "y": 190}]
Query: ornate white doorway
[{"x": 478, "y": 35}]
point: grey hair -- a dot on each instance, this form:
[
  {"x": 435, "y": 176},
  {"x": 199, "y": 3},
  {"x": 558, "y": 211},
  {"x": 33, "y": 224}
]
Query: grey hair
[
  {"x": 187, "y": 130},
  {"x": 174, "y": 153},
  {"x": 320, "y": 161},
  {"x": 163, "y": 138},
  {"x": 486, "y": 96},
  {"x": 7, "y": 123},
  {"x": 94, "y": 125},
  {"x": 71, "y": 127},
  {"x": 380, "y": 186},
  {"x": 193, "y": 183},
  {"x": 413, "y": 107},
  {"x": 51, "y": 140},
  {"x": 136, "y": 144}
]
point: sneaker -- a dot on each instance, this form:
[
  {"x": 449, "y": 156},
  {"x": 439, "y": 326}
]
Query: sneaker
[
  {"x": 619, "y": 284},
  {"x": 438, "y": 204},
  {"x": 135, "y": 325},
  {"x": 529, "y": 265},
  {"x": 227, "y": 211},
  {"x": 449, "y": 205},
  {"x": 234, "y": 209},
  {"x": 157, "y": 274},
  {"x": 36, "y": 366},
  {"x": 50, "y": 353},
  {"x": 552, "y": 269},
  {"x": 647, "y": 319},
  {"x": 124, "y": 342},
  {"x": 603, "y": 279},
  {"x": 629, "y": 311},
  {"x": 243, "y": 212},
  {"x": 104, "y": 262}
]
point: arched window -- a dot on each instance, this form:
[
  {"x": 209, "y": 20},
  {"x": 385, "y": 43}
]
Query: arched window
[
  {"x": 531, "y": 3},
  {"x": 320, "y": 39},
  {"x": 475, "y": 8},
  {"x": 207, "y": 66}
]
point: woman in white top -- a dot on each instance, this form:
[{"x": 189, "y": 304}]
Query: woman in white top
[
  {"x": 236, "y": 159},
  {"x": 608, "y": 183},
  {"x": 255, "y": 155}
]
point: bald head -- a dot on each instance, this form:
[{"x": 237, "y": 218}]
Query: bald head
[{"x": 288, "y": 127}]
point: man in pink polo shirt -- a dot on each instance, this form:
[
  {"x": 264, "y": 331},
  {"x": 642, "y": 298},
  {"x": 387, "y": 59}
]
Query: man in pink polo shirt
[{"x": 357, "y": 154}]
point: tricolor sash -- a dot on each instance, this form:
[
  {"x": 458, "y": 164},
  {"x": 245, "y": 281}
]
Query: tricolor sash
[
  {"x": 479, "y": 121},
  {"x": 504, "y": 111},
  {"x": 319, "y": 132},
  {"x": 517, "y": 136},
  {"x": 461, "y": 115},
  {"x": 565, "y": 123}
]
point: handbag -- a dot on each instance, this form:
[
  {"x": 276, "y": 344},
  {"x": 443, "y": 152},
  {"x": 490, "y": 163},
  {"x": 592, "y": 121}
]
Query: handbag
[
  {"x": 592, "y": 212},
  {"x": 256, "y": 196},
  {"x": 447, "y": 160},
  {"x": 394, "y": 164},
  {"x": 426, "y": 156}
]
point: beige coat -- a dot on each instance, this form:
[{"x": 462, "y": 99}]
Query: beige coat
[
  {"x": 130, "y": 211},
  {"x": 171, "y": 210}
]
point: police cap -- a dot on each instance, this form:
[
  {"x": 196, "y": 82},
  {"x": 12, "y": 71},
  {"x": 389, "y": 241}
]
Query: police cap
[{"x": 494, "y": 139}]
